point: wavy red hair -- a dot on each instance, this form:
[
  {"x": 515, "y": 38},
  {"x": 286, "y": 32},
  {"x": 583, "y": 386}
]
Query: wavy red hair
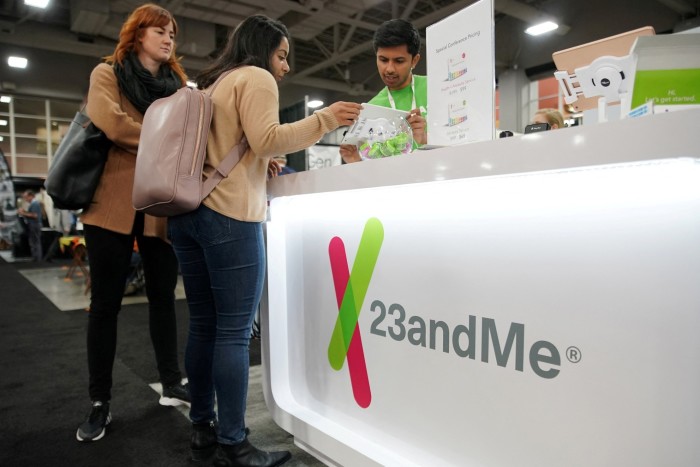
[{"x": 145, "y": 16}]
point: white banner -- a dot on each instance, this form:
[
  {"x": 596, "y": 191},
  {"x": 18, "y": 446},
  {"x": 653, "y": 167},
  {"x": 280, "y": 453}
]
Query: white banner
[{"x": 461, "y": 76}]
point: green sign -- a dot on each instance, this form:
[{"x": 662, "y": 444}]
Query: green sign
[{"x": 667, "y": 87}]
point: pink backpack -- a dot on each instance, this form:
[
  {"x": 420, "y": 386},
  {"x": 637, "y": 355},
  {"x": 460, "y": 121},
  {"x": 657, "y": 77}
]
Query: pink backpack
[{"x": 169, "y": 178}]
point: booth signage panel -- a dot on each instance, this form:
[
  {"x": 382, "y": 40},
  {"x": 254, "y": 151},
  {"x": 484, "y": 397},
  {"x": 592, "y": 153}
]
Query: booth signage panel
[
  {"x": 321, "y": 157},
  {"x": 461, "y": 76},
  {"x": 542, "y": 319}
]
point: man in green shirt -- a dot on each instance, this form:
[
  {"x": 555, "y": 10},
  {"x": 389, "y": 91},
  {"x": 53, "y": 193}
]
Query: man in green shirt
[{"x": 397, "y": 46}]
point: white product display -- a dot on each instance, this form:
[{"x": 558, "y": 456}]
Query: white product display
[
  {"x": 606, "y": 77},
  {"x": 599, "y": 73},
  {"x": 363, "y": 128},
  {"x": 527, "y": 301},
  {"x": 667, "y": 72}
]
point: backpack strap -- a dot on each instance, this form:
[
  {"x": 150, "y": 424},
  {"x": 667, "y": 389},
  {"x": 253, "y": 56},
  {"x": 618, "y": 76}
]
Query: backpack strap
[
  {"x": 225, "y": 167},
  {"x": 223, "y": 75},
  {"x": 234, "y": 155}
]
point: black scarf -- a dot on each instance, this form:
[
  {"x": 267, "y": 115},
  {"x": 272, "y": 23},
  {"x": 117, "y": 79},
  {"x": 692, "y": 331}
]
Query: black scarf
[{"x": 140, "y": 86}]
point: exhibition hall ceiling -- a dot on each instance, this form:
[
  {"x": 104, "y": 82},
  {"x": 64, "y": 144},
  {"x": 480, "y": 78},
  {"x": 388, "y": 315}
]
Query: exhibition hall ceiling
[{"x": 332, "y": 55}]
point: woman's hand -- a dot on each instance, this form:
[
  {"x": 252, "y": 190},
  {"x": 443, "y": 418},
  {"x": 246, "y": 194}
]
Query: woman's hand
[
  {"x": 349, "y": 153},
  {"x": 418, "y": 125},
  {"x": 273, "y": 168},
  {"x": 345, "y": 113}
]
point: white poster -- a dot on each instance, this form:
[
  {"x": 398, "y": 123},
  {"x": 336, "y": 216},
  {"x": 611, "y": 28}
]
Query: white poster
[{"x": 461, "y": 76}]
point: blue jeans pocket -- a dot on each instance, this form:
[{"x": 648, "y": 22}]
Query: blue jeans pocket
[{"x": 212, "y": 227}]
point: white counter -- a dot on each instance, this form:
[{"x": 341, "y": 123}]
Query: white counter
[{"x": 529, "y": 301}]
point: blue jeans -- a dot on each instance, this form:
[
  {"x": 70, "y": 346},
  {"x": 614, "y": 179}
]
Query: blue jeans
[{"x": 223, "y": 266}]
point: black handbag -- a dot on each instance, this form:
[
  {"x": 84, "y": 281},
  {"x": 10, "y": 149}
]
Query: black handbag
[{"x": 77, "y": 165}]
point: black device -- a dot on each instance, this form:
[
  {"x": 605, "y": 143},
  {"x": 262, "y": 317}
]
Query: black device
[{"x": 535, "y": 127}]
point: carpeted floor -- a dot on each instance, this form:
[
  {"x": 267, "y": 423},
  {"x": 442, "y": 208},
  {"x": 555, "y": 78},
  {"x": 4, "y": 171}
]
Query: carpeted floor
[{"x": 44, "y": 390}]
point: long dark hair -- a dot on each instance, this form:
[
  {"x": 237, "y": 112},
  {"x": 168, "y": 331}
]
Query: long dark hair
[{"x": 252, "y": 43}]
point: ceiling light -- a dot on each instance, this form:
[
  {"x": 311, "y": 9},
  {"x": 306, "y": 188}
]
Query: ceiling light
[
  {"x": 2, "y": 139},
  {"x": 3, "y": 122},
  {"x": 37, "y": 3},
  {"x": 314, "y": 104},
  {"x": 17, "y": 62},
  {"x": 541, "y": 28},
  {"x": 5, "y": 99}
]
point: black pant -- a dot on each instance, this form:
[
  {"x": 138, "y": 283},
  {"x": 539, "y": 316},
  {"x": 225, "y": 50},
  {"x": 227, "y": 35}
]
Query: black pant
[
  {"x": 109, "y": 255},
  {"x": 34, "y": 237}
]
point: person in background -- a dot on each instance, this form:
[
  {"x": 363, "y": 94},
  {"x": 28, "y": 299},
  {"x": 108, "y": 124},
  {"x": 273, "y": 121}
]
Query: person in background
[
  {"x": 551, "y": 116},
  {"x": 397, "y": 46},
  {"x": 142, "y": 69},
  {"x": 65, "y": 221},
  {"x": 34, "y": 220},
  {"x": 220, "y": 244}
]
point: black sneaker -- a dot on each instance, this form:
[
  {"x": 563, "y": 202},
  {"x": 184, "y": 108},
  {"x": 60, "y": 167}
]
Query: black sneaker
[
  {"x": 175, "y": 395},
  {"x": 93, "y": 428}
]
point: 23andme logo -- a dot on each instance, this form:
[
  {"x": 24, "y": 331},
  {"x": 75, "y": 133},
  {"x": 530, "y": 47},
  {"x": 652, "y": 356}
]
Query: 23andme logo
[{"x": 350, "y": 291}]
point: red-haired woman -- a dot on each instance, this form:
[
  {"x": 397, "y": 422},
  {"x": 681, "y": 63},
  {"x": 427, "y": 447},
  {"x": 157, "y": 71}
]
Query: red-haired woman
[{"x": 142, "y": 69}]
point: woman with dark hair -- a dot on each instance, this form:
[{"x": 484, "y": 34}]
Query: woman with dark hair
[
  {"x": 142, "y": 69},
  {"x": 220, "y": 245}
]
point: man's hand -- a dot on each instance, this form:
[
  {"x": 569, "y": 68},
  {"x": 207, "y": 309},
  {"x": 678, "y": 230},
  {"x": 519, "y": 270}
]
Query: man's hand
[
  {"x": 418, "y": 125},
  {"x": 349, "y": 153},
  {"x": 24, "y": 213}
]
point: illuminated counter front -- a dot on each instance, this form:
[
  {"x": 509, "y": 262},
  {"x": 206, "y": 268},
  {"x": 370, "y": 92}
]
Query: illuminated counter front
[{"x": 530, "y": 301}]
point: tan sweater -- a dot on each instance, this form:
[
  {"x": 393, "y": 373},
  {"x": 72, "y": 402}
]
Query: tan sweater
[
  {"x": 111, "y": 207},
  {"x": 247, "y": 101}
]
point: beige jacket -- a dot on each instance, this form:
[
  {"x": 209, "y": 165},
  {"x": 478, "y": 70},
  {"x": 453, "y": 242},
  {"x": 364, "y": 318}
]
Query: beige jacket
[
  {"x": 247, "y": 101},
  {"x": 111, "y": 207}
]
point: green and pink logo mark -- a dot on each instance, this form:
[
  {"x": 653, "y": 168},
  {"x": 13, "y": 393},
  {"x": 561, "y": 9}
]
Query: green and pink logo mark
[{"x": 350, "y": 291}]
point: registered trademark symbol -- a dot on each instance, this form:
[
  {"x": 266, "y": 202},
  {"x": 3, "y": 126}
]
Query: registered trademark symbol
[{"x": 573, "y": 354}]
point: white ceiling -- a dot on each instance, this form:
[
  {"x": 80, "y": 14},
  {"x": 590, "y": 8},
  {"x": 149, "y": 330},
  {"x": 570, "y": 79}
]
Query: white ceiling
[{"x": 332, "y": 54}]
